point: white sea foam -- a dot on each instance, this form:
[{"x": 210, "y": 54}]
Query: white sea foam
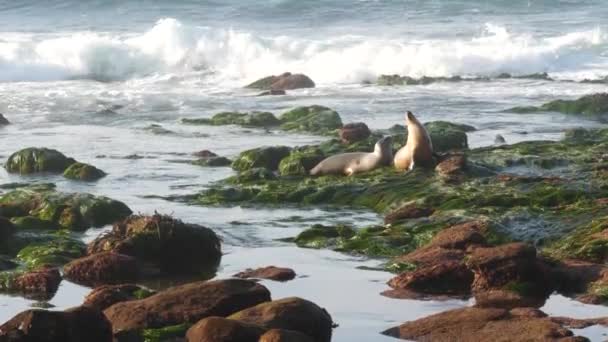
[{"x": 235, "y": 57}]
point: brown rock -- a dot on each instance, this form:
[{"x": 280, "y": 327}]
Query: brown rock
[
  {"x": 219, "y": 329},
  {"x": 279, "y": 335},
  {"x": 73, "y": 325},
  {"x": 452, "y": 167},
  {"x": 187, "y": 303},
  {"x": 204, "y": 154},
  {"x": 102, "y": 268},
  {"x": 478, "y": 324},
  {"x": 580, "y": 323},
  {"x": 270, "y": 272},
  {"x": 41, "y": 284},
  {"x": 431, "y": 256},
  {"x": 291, "y": 314},
  {"x": 353, "y": 132},
  {"x": 574, "y": 276},
  {"x": 451, "y": 277},
  {"x": 461, "y": 236},
  {"x": 408, "y": 211},
  {"x": 272, "y": 92},
  {"x": 285, "y": 81},
  {"x": 107, "y": 295},
  {"x": 506, "y": 299}
]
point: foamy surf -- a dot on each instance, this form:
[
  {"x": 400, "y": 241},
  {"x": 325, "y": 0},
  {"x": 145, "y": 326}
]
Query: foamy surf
[{"x": 233, "y": 57}]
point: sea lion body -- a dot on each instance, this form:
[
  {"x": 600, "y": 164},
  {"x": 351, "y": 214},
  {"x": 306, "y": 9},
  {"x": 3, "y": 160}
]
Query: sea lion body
[
  {"x": 418, "y": 149},
  {"x": 356, "y": 162}
]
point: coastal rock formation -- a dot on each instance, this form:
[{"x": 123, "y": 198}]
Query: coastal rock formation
[
  {"x": 33, "y": 160},
  {"x": 41, "y": 283},
  {"x": 269, "y": 272},
  {"x": 83, "y": 172},
  {"x": 3, "y": 120},
  {"x": 262, "y": 157},
  {"x": 219, "y": 329},
  {"x": 285, "y": 81},
  {"x": 107, "y": 295},
  {"x": 164, "y": 242},
  {"x": 102, "y": 268},
  {"x": 353, "y": 132}
]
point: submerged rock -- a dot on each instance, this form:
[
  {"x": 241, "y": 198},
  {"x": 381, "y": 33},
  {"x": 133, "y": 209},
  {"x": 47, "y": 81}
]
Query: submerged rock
[
  {"x": 84, "y": 172},
  {"x": 285, "y": 81},
  {"x": 171, "y": 245},
  {"x": 290, "y": 314},
  {"x": 102, "y": 268},
  {"x": 269, "y": 272},
  {"x": 33, "y": 160},
  {"x": 74, "y": 325},
  {"x": 40, "y": 284},
  {"x": 107, "y": 295},
  {"x": 186, "y": 304}
]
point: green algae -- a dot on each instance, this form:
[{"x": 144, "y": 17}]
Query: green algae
[
  {"x": 57, "y": 252},
  {"x": 165, "y": 333},
  {"x": 33, "y": 160},
  {"x": 263, "y": 157},
  {"x": 253, "y": 119},
  {"x": 589, "y": 105},
  {"x": 313, "y": 119},
  {"x": 83, "y": 172}
]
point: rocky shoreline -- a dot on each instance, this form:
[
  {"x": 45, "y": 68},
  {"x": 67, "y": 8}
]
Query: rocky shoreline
[{"x": 507, "y": 225}]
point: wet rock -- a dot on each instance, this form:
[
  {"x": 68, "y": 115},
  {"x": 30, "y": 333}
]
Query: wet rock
[
  {"x": 54, "y": 249},
  {"x": 408, "y": 211},
  {"x": 394, "y": 80},
  {"x": 213, "y": 162},
  {"x": 33, "y": 160},
  {"x": 320, "y": 236},
  {"x": 595, "y": 104},
  {"x": 272, "y": 92},
  {"x": 3, "y": 120},
  {"x": 263, "y": 157},
  {"x": 163, "y": 241},
  {"x": 219, "y": 329},
  {"x": 312, "y": 119},
  {"x": 462, "y": 236},
  {"x": 447, "y": 136},
  {"x": 32, "y": 223},
  {"x": 507, "y": 299},
  {"x": 499, "y": 140},
  {"x": 453, "y": 167},
  {"x": 291, "y": 314},
  {"x": 41, "y": 284},
  {"x": 353, "y": 132},
  {"x": 7, "y": 228},
  {"x": 446, "y": 278},
  {"x": 83, "y": 172},
  {"x": 107, "y": 295},
  {"x": 285, "y": 81},
  {"x": 480, "y": 324},
  {"x": 158, "y": 130},
  {"x": 102, "y": 268},
  {"x": 300, "y": 161},
  {"x": 204, "y": 154},
  {"x": 253, "y": 119},
  {"x": 281, "y": 335},
  {"x": 269, "y": 272},
  {"x": 187, "y": 303},
  {"x": 73, "y": 325}
]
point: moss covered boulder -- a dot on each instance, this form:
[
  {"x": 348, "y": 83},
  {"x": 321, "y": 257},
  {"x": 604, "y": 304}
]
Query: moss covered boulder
[
  {"x": 42, "y": 206},
  {"x": 169, "y": 244},
  {"x": 253, "y": 119},
  {"x": 262, "y": 157},
  {"x": 300, "y": 161},
  {"x": 104, "y": 296},
  {"x": 588, "y": 105},
  {"x": 41, "y": 283},
  {"x": 83, "y": 172},
  {"x": 33, "y": 160},
  {"x": 213, "y": 161},
  {"x": 59, "y": 249},
  {"x": 285, "y": 81},
  {"x": 312, "y": 119},
  {"x": 447, "y": 136}
]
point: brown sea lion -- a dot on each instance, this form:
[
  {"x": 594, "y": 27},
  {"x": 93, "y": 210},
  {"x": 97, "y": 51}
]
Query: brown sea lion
[
  {"x": 418, "y": 149},
  {"x": 356, "y": 162}
]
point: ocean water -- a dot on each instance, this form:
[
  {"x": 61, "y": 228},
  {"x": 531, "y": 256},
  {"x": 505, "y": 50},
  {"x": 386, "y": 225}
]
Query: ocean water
[{"x": 87, "y": 77}]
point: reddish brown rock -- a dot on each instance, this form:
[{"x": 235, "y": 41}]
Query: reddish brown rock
[
  {"x": 291, "y": 314},
  {"x": 102, "y": 268},
  {"x": 285, "y": 81},
  {"x": 353, "y": 132},
  {"x": 41, "y": 284},
  {"x": 408, "y": 211},
  {"x": 107, "y": 295},
  {"x": 270, "y": 272},
  {"x": 73, "y": 325},
  {"x": 575, "y": 276},
  {"x": 452, "y": 168},
  {"x": 479, "y": 324},
  {"x": 429, "y": 256},
  {"x": 462, "y": 236},
  {"x": 279, "y": 335},
  {"x": 187, "y": 303},
  {"x": 506, "y": 299},
  {"x": 580, "y": 323},
  {"x": 219, "y": 329},
  {"x": 446, "y": 278}
]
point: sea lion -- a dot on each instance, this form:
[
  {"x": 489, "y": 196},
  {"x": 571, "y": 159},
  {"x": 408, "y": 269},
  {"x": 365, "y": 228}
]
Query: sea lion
[
  {"x": 418, "y": 149},
  {"x": 355, "y": 162}
]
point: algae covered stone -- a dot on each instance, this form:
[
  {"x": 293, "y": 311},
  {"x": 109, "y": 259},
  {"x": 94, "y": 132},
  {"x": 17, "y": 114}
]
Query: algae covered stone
[
  {"x": 285, "y": 81},
  {"x": 33, "y": 160},
  {"x": 447, "y": 136},
  {"x": 253, "y": 119},
  {"x": 264, "y": 157},
  {"x": 588, "y": 105},
  {"x": 61, "y": 249},
  {"x": 84, "y": 172},
  {"x": 300, "y": 161},
  {"x": 312, "y": 119}
]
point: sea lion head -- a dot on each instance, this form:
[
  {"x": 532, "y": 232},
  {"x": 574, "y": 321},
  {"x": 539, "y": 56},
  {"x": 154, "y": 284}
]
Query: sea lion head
[
  {"x": 410, "y": 119},
  {"x": 384, "y": 149}
]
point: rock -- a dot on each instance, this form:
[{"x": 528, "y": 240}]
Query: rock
[
  {"x": 73, "y": 325},
  {"x": 506, "y": 299},
  {"x": 7, "y": 228},
  {"x": 312, "y": 119},
  {"x": 102, "y": 268},
  {"x": 286, "y": 81},
  {"x": 157, "y": 129},
  {"x": 253, "y": 119},
  {"x": 480, "y": 324},
  {"x": 263, "y": 157},
  {"x": 280, "y": 335},
  {"x": 254, "y": 175},
  {"x": 213, "y": 162},
  {"x": 499, "y": 140},
  {"x": 320, "y": 236},
  {"x": 83, "y": 172},
  {"x": 56, "y": 250},
  {"x": 162, "y": 241},
  {"x": 32, "y": 223},
  {"x": 393, "y": 80},
  {"x": 291, "y": 314},
  {"x": 450, "y": 277},
  {"x": 204, "y": 154},
  {"x": 462, "y": 236},
  {"x": 219, "y": 329},
  {"x": 187, "y": 303},
  {"x": 33, "y": 160},
  {"x": 269, "y": 272},
  {"x": 447, "y": 136},
  {"x": 590, "y": 105},
  {"x": 7, "y": 264},
  {"x": 3, "y": 120},
  {"x": 300, "y": 161},
  {"x": 408, "y": 211},
  {"x": 353, "y": 132},
  {"x": 41, "y": 284},
  {"x": 272, "y": 92},
  {"x": 107, "y": 295},
  {"x": 453, "y": 167}
]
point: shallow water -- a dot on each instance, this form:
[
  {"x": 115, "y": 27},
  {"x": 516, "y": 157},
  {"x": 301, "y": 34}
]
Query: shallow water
[{"x": 87, "y": 78}]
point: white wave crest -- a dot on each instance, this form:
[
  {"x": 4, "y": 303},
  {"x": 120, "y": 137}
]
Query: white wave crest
[{"x": 238, "y": 57}]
